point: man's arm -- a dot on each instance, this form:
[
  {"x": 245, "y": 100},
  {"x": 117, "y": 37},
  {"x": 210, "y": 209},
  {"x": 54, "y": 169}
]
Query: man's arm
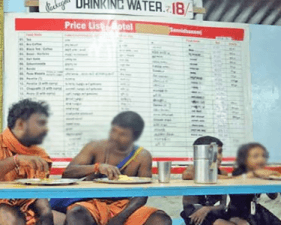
[
  {"x": 6, "y": 165},
  {"x": 145, "y": 170},
  {"x": 82, "y": 166},
  {"x": 260, "y": 173},
  {"x": 34, "y": 162}
]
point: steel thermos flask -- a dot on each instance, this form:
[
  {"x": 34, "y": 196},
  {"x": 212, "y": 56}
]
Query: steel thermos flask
[{"x": 205, "y": 163}]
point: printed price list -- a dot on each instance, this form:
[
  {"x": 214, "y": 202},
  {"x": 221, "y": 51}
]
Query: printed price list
[{"x": 183, "y": 87}]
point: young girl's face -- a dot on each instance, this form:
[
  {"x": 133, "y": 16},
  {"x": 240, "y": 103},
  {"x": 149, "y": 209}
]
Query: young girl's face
[{"x": 256, "y": 158}]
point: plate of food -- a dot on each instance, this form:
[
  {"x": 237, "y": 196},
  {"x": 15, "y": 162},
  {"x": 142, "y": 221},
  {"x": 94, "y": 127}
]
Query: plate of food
[
  {"x": 124, "y": 179},
  {"x": 274, "y": 177},
  {"x": 47, "y": 181}
]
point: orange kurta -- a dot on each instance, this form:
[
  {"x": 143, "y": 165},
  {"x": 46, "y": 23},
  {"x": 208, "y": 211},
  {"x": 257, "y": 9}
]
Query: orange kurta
[
  {"x": 9, "y": 147},
  {"x": 104, "y": 209}
]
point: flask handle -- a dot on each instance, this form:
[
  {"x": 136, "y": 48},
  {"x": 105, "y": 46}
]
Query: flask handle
[{"x": 213, "y": 151}]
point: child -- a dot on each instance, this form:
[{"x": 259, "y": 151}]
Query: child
[
  {"x": 243, "y": 209},
  {"x": 201, "y": 209}
]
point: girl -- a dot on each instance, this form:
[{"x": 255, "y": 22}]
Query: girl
[{"x": 243, "y": 209}]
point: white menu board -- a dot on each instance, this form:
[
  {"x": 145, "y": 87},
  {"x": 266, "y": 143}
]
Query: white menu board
[{"x": 185, "y": 80}]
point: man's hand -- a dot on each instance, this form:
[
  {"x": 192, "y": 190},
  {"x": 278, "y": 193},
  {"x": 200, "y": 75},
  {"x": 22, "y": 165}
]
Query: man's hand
[
  {"x": 34, "y": 162},
  {"x": 112, "y": 172},
  {"x": 198, "y": 217},
  {"x": 263, "y": 173},
  {"x": 116, "y": 220}
]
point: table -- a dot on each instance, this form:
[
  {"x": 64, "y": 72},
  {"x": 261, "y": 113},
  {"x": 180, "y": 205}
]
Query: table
[{"x": 87, "y": 189}]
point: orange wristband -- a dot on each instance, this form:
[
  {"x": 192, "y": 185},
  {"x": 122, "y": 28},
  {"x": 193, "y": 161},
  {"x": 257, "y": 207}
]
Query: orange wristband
[{"x": 96, "y": 168}]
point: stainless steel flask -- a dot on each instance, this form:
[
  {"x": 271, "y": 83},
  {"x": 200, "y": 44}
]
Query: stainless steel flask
[{"x": 205, "y": 163}]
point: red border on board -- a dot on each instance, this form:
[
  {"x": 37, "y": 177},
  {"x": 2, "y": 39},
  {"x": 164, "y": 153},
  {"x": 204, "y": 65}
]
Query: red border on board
[{"x": 83, "y": 25}]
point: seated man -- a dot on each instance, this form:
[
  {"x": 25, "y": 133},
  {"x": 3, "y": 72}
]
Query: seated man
[
  {"x": 201, "y": 209},
  {"x": 113, "y": 157},
  {"x": 21, "y": 158}
]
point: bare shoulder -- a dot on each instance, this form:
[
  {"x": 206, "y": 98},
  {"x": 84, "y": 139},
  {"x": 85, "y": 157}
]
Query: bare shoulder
[
  {"x": 88, "y": 153},
  {"x": 92, "y": 148},
  {"x": 145, "y": 156},
  {"x": 95, "y": 146}
]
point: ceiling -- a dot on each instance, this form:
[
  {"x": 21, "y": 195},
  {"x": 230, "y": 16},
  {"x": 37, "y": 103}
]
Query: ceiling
[{"x": 244, "y": 11}]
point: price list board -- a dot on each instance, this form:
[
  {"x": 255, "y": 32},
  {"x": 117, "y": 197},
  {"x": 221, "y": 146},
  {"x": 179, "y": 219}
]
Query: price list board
[{"x": 185, "y": 80}]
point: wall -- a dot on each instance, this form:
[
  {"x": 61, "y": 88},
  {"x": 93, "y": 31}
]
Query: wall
[
  {"x": 14, "y": 6},
  {"x": 265, "y": 50}
]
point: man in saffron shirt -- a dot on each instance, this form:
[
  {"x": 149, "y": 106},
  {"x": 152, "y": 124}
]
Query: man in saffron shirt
[{"x": 21, "y": 158}]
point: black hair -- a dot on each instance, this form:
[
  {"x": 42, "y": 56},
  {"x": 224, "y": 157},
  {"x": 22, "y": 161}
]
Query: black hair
[
  {"x": 24, "y": 109},
  {"x": 242, "y": 155},
  {"x": 130, "y": 119},
  {"x": 206, "y": 140}
]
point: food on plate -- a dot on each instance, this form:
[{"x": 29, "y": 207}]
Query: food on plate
[
  {"x": 47, "y": 180},
  {"x": 125, "y": 177}
]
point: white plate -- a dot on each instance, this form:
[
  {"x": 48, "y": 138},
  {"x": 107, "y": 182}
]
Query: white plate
[
  {"x": 37, "y": 181},
  {"x": 272, "y": 177},
  {"x": 136, "y": 180}
]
